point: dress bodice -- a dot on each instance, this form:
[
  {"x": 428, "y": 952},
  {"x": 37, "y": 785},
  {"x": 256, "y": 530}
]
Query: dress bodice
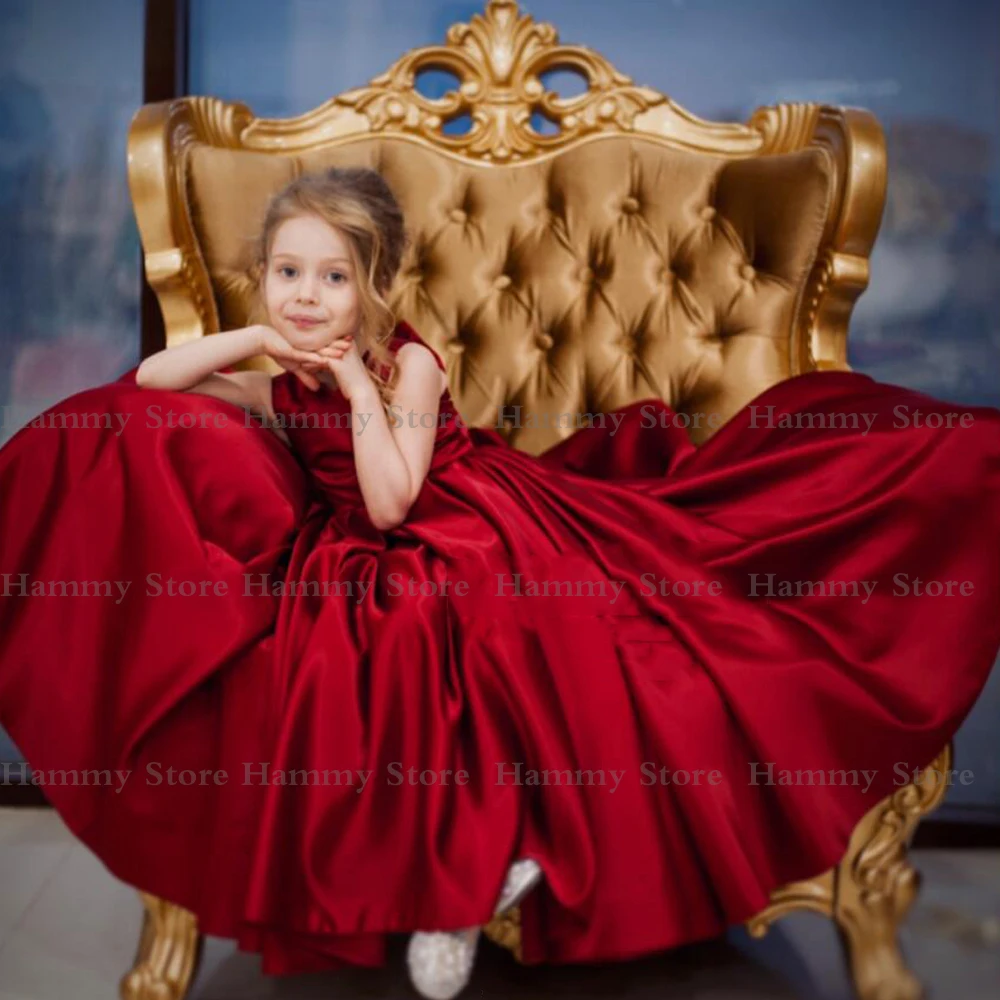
[{"x": 320, "y": 427}]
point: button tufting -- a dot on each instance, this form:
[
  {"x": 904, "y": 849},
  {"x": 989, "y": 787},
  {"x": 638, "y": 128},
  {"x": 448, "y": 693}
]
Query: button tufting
[
  {"x": 708, "y": 213},
  {"x": 747, "y": 273},
  {"x": 454, "y": 347},
  {"x": 457, "y": 215},
  {"x": 667, "y": 276},
  {"x": 585, "y": 275},
  {"x": 630, "y": 205},
  {"x": 502, "y": 281},
  {"x": 544, "y": 341}
]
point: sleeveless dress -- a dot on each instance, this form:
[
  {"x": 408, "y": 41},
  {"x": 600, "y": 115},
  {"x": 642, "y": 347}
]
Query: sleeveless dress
[{"x": 675, "y": 676}]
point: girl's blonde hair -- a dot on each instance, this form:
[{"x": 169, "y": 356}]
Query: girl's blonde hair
[{"x": 360, "y": 204}]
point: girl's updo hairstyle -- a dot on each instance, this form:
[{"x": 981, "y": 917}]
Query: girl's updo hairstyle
[{"x": 360, "y": 204}]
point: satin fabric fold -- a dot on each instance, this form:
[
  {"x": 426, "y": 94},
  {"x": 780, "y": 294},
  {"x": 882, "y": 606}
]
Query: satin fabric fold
[{"x": 663, "y": 647}]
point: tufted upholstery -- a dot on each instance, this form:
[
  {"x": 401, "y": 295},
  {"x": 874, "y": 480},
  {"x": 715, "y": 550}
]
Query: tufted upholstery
[{"x": 618, "y": 270}]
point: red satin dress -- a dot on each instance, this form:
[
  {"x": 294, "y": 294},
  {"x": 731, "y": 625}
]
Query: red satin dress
[{"x": 652, "y": 667}]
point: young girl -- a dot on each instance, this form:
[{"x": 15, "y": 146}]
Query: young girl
[
  {"x": 329, "y": 248},
  {"x": 328, "y": 251},
  {"x": 374, "y": 655}
]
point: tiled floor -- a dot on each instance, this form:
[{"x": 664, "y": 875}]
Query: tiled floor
[{"x": 68, "y": 931}]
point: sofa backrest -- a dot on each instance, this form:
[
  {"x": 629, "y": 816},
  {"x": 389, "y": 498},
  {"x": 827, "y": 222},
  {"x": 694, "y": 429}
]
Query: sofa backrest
[{"x": 635, "y": 252}]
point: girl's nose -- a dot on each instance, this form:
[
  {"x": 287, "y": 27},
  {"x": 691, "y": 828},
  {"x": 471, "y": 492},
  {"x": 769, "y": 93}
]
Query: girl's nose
[{"x": 307, "y": 288}]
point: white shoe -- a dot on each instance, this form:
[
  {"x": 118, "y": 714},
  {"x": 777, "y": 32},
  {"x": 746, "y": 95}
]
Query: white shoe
[
  {"x": 522, "y": 877},
  {"x": 440, "y": 962}
]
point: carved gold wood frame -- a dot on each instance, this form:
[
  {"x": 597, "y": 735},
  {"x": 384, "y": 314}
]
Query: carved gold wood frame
[{"x": 499, "y": 57}]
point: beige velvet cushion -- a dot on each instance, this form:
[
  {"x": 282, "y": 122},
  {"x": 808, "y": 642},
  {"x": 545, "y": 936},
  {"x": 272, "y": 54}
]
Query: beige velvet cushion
[{"x": 618, "y": 270}]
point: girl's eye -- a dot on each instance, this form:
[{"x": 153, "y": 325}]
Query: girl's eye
[
  {"x": 336, "y": 277},
  {"x": 286, "y": 271}
]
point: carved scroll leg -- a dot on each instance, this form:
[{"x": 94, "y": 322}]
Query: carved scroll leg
[
  {"x": 868, "y": 920},
  {"x": 869, "y": 892},
  {"x": 876, "y": 885},
  {"x": 168, "y": 956}
]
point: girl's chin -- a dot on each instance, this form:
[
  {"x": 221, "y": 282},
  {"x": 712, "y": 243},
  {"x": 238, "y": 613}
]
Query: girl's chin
[{"x": 311, "y": 339}]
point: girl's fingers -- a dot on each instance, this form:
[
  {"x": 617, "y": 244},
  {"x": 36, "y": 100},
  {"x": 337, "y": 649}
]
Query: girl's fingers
[
  {"x": 296, "y": 355},
  {"x": 341, "y": 344}
]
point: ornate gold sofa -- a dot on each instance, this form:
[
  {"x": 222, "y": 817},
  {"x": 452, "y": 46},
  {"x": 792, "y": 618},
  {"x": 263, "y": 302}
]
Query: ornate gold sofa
[{"x": 629, "y": 250}]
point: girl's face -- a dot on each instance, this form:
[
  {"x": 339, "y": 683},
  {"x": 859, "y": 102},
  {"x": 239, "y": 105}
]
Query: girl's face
[{"x": 310, "y": 288}]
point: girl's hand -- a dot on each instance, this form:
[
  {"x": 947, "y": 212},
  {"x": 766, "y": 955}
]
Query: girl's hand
[
  {"x": 348, "y": 369},
  {"x": 335, "y": 350},
  {"x": 271, "y": 343}
]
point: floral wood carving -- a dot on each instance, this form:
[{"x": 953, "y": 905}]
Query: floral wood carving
[{"x": 498, "y": 57}]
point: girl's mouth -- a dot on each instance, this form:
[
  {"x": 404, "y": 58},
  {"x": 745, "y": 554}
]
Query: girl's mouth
[{"x": 304, "y": 322}]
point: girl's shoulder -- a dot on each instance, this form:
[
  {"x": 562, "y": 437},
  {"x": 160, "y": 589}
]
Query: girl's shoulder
[
  {"x": 404, "y": 334},
  {"x": 409, "y": 351}
]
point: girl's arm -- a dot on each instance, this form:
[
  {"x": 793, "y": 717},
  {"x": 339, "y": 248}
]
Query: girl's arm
[
  {"x": 392, "y": 454},
  {"x": 194, "y": 366},
  {"x": 184, "y": 366}
]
